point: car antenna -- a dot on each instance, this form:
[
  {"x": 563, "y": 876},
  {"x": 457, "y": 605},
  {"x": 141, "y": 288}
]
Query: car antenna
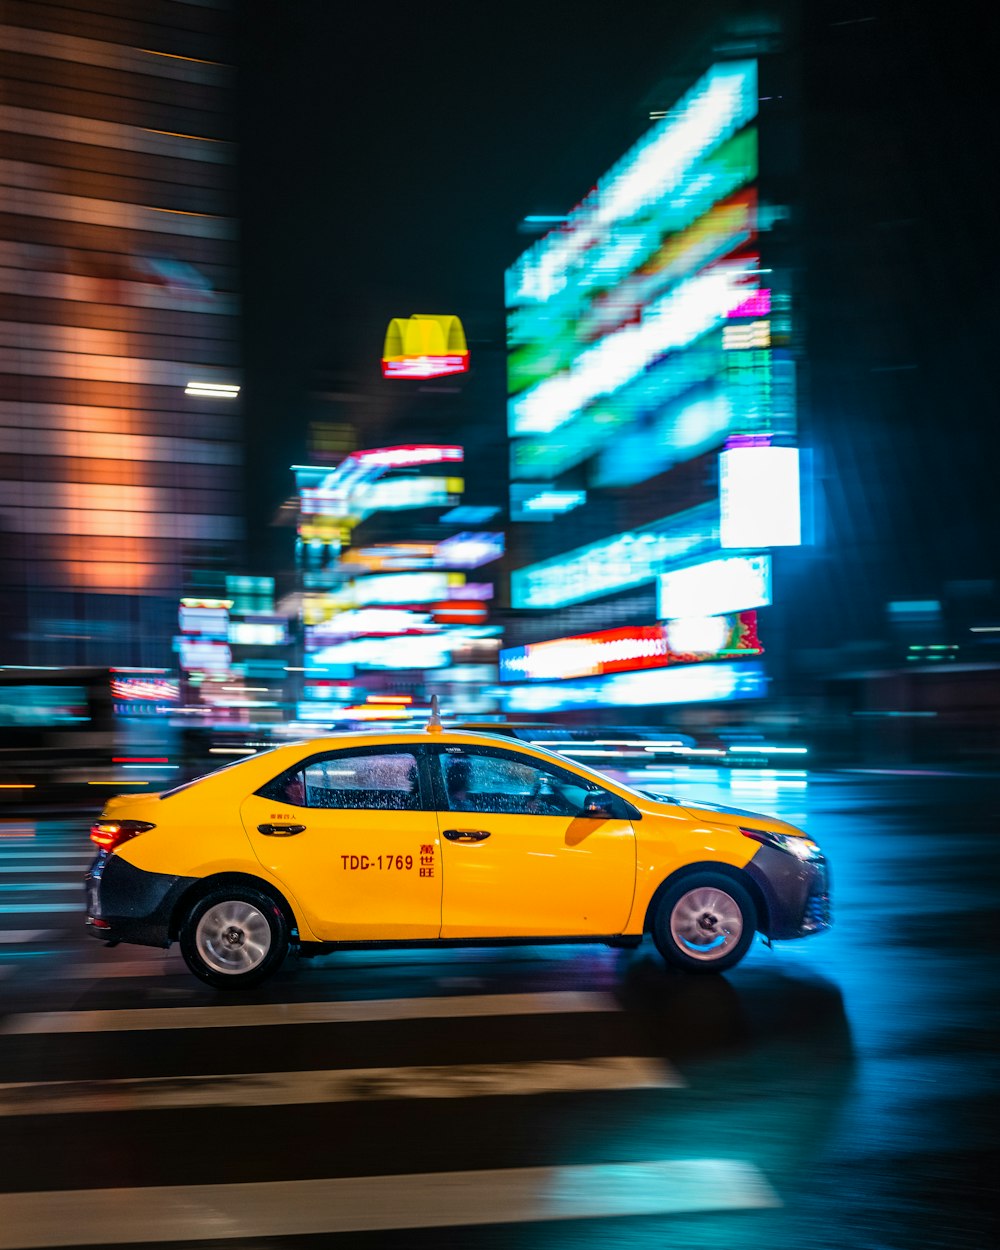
[{"x": 434, "y": 725}]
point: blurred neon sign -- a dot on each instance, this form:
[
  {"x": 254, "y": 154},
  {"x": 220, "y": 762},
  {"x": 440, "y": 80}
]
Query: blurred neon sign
[
  {"x": 469, "y": 550},
  {"x": 410, "y": 455},
  {"x": 368, "y": 622},
  {"x": 258, "y": 633},
  {"x": 397, "y": 493},
  {"x": 396, "y": 588},
  {"x": 424, "y": 346},
  {"x": 696, "y": 683},
  {"x": 411, "y": 651},
  {"x": 729, "y": 584},
  {"x": 528, "y": 502},
  {"x": 759, "y": 497},
  {"x": 633, "y": 648},
  {"x": 145, "y": 690},
  {"x": 615, "y": 563}
]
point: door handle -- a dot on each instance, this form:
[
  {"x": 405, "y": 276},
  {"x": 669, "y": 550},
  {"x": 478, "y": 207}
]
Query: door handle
[
  {"x": 280, "y": 831},
  {"x": 466, "y": 835}
]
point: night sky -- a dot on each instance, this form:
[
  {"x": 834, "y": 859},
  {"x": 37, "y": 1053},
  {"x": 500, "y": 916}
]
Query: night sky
[{"x": 388, "y": 155}]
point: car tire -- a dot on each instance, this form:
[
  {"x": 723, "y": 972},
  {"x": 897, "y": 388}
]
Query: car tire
[
  {"x": 234, "y": 937},
  {"x": 704, "y": 923}
]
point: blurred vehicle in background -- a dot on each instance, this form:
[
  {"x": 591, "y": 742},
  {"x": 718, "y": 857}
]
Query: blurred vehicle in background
[{"x": 66, "y": 733}]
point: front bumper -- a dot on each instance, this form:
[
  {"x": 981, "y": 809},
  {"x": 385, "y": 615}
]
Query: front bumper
[
  {"x": 796, "y": 891},
  {"x": 128, "y": 904}
]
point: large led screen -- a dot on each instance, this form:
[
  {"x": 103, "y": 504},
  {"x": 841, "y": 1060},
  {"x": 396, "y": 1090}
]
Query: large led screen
[{"x": 645, "y": 329}]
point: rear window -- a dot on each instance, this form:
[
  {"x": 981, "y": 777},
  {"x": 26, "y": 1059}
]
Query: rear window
[{"x": 368, "y": 780}]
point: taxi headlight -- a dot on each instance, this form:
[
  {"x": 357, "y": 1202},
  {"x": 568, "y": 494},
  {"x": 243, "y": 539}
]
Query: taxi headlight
[{"x": 794, "y": 844}]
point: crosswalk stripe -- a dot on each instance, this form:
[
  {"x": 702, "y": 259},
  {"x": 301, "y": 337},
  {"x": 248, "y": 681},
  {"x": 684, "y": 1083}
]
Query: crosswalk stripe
[
  {"x": 10, "y": 869},
  {"x": 268, "y": 1089},
  {"x": 348, "y": 1011},
  {"x": 367, "y": 1203},
  {"x": 167, "y": 964},
  {"x": 31, "y": 909},
  {"x": 78, "y": 858},
  {"x": 22, "y": 937},
  {"x": 10, "y": 886}
]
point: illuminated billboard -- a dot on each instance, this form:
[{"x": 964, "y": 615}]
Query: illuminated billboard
[
  {"x": 644, "y": 313},
  {"x": 729, "y": 584},
  {"x": 691, "y": 683},
  {"x": 424, "y": 346},
  {"x": 759, "y": 497},
  {"x": 615, "y": 563},
  {"x": 396, "y": 588},
  {"x": 645, "y": 329},
  {"x": 633, "y": 648}
]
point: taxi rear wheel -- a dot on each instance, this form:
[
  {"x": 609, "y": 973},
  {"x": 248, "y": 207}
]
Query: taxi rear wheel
[
  {"x": 705, "y": 923},
  {"x": 234, "y": 937}
]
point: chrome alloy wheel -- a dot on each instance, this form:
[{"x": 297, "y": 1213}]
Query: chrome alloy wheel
[
  {"x": 233, "y": 937},
  {"x": 706, "y": 923}
]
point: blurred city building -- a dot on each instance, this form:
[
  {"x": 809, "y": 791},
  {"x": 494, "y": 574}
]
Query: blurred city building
[
  {"x": 120, "y": 427},
  {"x": 724, "y": 397},
  {"x": 393, "y": 596},
  {"x": 652, "y": 414}
]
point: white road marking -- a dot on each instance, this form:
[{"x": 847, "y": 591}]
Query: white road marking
[
  {"x": 350, "y": 1011},
  {"x": 21, "y": 937},
  {"x": 32, "y": 849},
  {"x": 268, "y": 1089},
  {"x": 364, "y": 1203},
  {"x": 41, "y": 885},
  {"x": 6, "y": 869},
  {"x": 68, "y": 971},
  {"x": 31, "y": 909}
]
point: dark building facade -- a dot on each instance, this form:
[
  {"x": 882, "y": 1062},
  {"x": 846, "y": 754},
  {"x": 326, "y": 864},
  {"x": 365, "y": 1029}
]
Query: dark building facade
[{"x": 118, "y": 274}]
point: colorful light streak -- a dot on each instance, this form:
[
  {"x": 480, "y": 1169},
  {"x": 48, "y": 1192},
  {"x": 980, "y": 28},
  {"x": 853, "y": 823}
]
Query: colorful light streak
[{"x": 633, "y": 648}]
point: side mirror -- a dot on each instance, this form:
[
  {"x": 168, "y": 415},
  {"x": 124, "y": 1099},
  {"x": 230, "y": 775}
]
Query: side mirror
[{"x": 598, "y": 807}]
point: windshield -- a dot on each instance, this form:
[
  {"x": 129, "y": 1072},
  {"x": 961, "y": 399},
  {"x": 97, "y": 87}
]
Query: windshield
[{"x": 601, "y": 778}]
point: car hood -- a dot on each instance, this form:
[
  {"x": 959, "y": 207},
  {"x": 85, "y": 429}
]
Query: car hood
[{"x": 734, "y": 817}]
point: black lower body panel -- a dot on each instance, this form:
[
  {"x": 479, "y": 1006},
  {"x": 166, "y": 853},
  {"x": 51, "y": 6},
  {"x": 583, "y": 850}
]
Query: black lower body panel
[
  {"x": 796, "y": 891},
  {"x": 128, "y": 904}
]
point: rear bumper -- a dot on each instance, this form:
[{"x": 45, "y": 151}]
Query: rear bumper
[
  {"x": 128, "y": 904},
  {"x": 797, "y": 893}
]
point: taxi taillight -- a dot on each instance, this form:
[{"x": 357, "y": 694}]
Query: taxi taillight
[{"x": 107, "y": 834}]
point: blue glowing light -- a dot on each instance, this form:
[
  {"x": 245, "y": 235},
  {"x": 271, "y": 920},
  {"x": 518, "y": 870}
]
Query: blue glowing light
[
  {"x": 690, "y": 683},
  {"x": 615, "y": 563}
]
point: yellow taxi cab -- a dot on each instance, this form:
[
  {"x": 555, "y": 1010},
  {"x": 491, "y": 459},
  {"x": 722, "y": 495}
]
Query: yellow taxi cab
[{"x": 437, "y": 837}]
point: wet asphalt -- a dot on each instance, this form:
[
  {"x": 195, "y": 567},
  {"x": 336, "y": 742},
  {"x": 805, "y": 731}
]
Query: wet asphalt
[{"x": 852, "y": 1076}]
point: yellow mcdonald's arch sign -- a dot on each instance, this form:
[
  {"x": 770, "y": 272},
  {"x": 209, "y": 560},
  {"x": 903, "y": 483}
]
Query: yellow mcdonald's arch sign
[{"x": 424, "y": 346}]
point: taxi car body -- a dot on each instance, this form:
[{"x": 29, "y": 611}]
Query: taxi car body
[{"x": 438, "y": 837}]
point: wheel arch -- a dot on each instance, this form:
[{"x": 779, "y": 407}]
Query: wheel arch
[
  {"x": 205, "y": 885},
  {"x": 715, "y": 868}
]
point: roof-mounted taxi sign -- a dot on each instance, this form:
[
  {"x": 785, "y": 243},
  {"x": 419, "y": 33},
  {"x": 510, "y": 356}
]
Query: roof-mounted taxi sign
[{"x": 424, "y": 346}]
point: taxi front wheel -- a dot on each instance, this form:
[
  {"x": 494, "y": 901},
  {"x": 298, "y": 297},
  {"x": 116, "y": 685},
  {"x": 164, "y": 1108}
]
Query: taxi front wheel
[
  {"x": 234, "y": 937},
  {"x": 705, "y": 923}
]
